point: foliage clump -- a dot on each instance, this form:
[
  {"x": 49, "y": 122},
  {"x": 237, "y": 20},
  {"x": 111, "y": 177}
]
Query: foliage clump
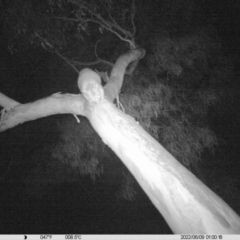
[
  {"x": 173, "y": 101},
  {"x": 80, "y": 148}
]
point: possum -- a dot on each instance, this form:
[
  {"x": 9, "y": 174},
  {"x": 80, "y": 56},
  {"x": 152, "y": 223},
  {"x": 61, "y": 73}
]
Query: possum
[{"x": 89, "y": 82}]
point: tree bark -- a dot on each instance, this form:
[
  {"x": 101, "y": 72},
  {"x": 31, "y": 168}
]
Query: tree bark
[
  {"x": 57, "y": 103},
  {"x": 187, "y": 205}
]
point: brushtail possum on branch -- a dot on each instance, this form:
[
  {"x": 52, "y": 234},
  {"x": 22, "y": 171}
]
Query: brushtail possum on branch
[{"x": 89, "y": 82}]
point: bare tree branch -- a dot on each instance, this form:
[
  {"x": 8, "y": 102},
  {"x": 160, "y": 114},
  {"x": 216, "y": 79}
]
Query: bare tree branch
[
  {"x": 109, "y": 28},
  {"x": 98, "y": 61},
  {"x": 109, "y": 14},
  {"x": 133, "y": 12},
  {"x": 112, "y": 25},
  {"x": 68, "y": 61},
  {"x": 53, "y": 50}
]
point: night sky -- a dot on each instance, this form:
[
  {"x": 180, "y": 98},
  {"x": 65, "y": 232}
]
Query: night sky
[{"x": 39, "y": 195}]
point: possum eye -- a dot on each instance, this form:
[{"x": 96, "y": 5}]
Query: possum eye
[{"x": 89, "y": 83}]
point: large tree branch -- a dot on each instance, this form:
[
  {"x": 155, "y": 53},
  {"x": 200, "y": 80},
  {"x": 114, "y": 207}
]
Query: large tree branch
[
  {"x": 15, "y": 113},
  {"x": 112, "y": 89},
  {"x": 54, "y": 104},
  {"x": 7, "y": 102}
]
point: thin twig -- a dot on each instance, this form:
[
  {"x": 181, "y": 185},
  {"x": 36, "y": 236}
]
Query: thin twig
[
  {"x": 66, "y": 60},
  {"x": 133, "y": 12}
]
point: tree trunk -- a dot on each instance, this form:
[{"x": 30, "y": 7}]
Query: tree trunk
[{"x": 187, "y": 205}]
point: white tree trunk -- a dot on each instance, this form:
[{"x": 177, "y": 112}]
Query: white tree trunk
[{"x": 187, "y": 205}]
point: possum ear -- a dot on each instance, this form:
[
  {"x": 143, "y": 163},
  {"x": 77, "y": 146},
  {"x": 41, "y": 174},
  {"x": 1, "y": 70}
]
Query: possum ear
[{"x": 89, "y": 82}]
